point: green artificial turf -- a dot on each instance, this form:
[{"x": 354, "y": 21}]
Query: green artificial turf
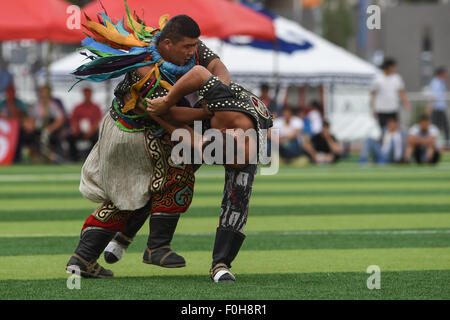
[
  {"x": 294, "y": 286},
  {"x": 311, "y": 234}
]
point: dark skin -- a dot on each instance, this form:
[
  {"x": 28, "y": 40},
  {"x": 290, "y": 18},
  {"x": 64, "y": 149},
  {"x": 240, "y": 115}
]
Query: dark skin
[{"x": 221, "y": 120}]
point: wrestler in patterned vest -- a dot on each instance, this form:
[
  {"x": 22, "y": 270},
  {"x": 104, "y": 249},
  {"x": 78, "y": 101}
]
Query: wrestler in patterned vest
[
  {"x": 233, "y": 107},
  {"x": 129, "y": 169}
]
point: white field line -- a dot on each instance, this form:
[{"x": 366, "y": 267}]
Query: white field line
[
  {"x": 282, "y": 233},
  {"x": 39, "y": 177},
  {"x": 219, "y": 175},
  {"x": 285, "y": 171}
]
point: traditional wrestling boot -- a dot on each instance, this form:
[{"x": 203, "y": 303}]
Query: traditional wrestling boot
[
  {"x": 92, "y": 242},
  {"x": 116, "y": 248},
  {"x": 158, "y": 252},
  {"x": 119, "y": 244},
  {"x": 226, "y": 247}
]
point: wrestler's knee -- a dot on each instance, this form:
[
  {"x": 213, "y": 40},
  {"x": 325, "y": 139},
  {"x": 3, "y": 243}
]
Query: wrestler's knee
[{"x": 201, "y": 73}]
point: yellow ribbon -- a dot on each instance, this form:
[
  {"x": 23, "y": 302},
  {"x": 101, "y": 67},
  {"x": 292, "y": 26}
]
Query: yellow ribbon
[{"x": 136, "y": 88}]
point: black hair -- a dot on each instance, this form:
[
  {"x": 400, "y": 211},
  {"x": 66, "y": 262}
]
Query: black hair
[
  {"x": 424, "y": 117},
  {"x": 440, "y": 70},
  {"x": 392, "y": 117},
  {"x": 388, "y": 62},
  {"x": 288, "y": 108},
  {"x": 325, "y": 123},
  {"x": 179, "y": 27},
  {"x": 264, "y": 86},
  {"x": 316, "y": 104}
]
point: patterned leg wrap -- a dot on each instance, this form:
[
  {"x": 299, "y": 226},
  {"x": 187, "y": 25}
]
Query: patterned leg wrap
[
  {"x": 233, "y": 218},
  {"x": 158, "y": 251},
  {"x": 236, "y": 197}
]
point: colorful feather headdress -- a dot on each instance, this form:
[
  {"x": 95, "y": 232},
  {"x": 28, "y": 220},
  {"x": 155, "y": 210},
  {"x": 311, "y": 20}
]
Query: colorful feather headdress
[{"x": 117, "y": 48}]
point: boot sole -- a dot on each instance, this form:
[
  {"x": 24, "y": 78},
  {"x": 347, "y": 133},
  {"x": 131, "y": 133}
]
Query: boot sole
[
  {"x": 223, "y": 281},
  {"x": 178, "y": 265},
  {"x": 85, "y": 275}
]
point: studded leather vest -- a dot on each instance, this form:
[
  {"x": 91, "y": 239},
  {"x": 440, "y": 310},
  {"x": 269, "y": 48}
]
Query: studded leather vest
[{"x": 221, "y": 97}]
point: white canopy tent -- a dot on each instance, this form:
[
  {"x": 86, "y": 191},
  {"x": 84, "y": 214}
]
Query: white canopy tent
[
  {"x": 345, "y": 77},
  {"x": 323, "y": 63}
]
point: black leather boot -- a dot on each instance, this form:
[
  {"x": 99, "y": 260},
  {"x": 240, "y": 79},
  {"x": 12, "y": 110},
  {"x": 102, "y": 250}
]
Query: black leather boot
[
  {"x": 92, "y": 242},
  {"x": 158, "y": 252},
  {"x": 119, "y": 244},
  {"x": 116, "y": 248},
  {"x": 227, "y": 244}
]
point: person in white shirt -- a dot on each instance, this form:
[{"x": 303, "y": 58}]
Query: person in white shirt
[
  {"x": 386, "y": 89},
  {"x": 291, "y": 144},
  {"x": 315, "y": 118},
  {"x": 422, "y": 142}
]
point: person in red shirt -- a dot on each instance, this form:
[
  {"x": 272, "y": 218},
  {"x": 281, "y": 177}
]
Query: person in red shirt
[{"x": 84, "y": 123}]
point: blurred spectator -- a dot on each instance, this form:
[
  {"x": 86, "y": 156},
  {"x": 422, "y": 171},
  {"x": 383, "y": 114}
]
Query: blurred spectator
[
  {"x": 5, "y": 79},
  {"x": 48, "y": 121},
  {"x": 84, "y": 123},
  {"x": 268, "y": 101},
  {"x": 391, "y": 149},
  {"x": 393, "y": 141},
  {"x": 315, "y": 117},
  {"x": 422, "y": 142},
  {"x": 291, "y": 144},
  {"x": 385, "y": 91},
  {"x": 326, "y": 145},
  {"x": 438, "y": 105},
  {"x": 14, "y": 108}
]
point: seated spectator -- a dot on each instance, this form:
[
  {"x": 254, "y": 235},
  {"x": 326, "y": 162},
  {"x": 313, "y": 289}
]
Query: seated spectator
[
  {"x": 48, "y": 121},
  {"x": 393, "y": 141},
  {"x": 6, "y": 78},
  {"x": 14, "y": 108},
  {"x": 326, "y": 145},
  {"x": 84, "y": 123},
  {"x": 390, "y": 148},
  {"x": 291, "y": 144},
  {"x": 315, "y": 117},
  {"x": 422, "y": 142}
]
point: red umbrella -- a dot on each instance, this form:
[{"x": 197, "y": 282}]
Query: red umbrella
[
  {"x": 38, "y": 20},
  {"x": 216, "y": 18}
]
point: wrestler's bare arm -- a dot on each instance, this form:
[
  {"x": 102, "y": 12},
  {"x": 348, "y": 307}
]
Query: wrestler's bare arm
[
  {"x": 169, "y": 127},
  {"x": 186, "y": 115},
  {"x": 217, "y": 68},
  {"x": 191, "y": 82}
]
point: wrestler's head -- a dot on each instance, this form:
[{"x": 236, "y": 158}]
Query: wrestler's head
[{"x": 178, "y": 40}]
